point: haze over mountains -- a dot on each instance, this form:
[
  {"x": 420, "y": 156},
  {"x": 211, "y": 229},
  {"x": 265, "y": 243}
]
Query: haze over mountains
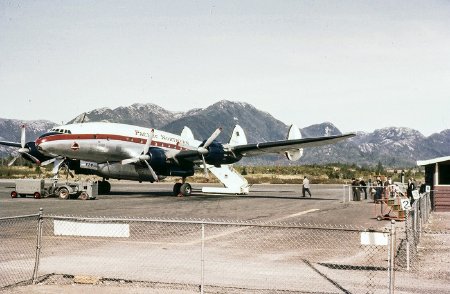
[{"x": 392, "y": 146}]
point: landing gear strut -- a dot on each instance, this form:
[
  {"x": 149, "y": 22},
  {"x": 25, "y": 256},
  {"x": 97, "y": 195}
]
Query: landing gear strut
[{"x": 182, "y": 189}]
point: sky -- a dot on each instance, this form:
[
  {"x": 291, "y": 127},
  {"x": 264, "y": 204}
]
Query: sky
[{"x": 362, "y": 65}]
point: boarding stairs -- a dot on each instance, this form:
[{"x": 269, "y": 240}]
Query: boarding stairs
[{"x": 234, "y": 182}]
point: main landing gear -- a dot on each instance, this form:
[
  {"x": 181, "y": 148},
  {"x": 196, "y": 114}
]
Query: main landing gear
[
  {"x": 104, "y": 187},
  {"x": 182, "y": 189}
]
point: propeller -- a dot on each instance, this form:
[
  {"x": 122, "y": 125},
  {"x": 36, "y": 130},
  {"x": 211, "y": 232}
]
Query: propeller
[
  {"x": 144, "y": 156},
  {"x": 47, "y": 162},
  {"x": 204, "y": 149},
  {"x": 24, "y": 150}
]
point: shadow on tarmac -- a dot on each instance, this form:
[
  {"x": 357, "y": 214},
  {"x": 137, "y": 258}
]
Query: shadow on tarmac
[{"x": 202, "y": 196}]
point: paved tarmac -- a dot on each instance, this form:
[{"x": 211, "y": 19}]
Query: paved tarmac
[
  {"x": 276, "y": 203},
  {"x": 265, "y": 203}
]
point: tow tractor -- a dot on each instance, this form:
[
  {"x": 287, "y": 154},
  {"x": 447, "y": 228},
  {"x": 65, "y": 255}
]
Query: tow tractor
[{"x": 84, "y": 190}]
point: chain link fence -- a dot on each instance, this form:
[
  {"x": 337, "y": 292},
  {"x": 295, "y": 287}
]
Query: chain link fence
[
  {"x": 421, "y": 251},
  {"x": 18, "y": 237},
  {"x": 205, "y": 256}
]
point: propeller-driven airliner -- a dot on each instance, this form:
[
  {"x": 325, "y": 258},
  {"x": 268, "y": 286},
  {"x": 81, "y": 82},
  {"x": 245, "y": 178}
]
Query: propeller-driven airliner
[{"x": 120, "y": 151}]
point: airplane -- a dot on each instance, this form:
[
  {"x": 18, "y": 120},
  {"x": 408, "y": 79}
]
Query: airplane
[{"x": 121, "y": 151}]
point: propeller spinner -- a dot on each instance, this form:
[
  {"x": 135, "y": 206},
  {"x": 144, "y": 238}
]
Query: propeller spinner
[{"x": 24, "y": 150}]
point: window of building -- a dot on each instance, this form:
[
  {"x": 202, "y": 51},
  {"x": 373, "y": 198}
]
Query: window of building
[{"x": 444, "y": 173}]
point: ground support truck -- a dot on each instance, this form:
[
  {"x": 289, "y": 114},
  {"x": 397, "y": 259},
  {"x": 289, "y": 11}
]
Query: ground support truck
[{"x": 37, "y": 188}]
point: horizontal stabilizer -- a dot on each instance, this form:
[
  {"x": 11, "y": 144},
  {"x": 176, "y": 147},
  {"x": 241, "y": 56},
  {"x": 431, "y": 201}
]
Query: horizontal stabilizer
[{"x": 294, "y": 154}]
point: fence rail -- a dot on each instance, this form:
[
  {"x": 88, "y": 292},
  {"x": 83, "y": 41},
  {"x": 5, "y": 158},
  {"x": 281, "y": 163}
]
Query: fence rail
[{"x": 214, "y": 256}]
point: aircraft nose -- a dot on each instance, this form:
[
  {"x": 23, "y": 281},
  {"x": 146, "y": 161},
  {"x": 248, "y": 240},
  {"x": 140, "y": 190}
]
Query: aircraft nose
[{"x": 40, "y": 143}]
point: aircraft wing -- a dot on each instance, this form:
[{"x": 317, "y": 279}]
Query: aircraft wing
[
  {"x": 286, "y": 145},
  {"x": 12, "y": 144},
  {"x": 277, "y": 147}
]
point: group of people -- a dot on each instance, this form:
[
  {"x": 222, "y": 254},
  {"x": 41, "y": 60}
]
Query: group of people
[
  {"x": 359, "y": 186},
  {"x": 377, "y": 188}
]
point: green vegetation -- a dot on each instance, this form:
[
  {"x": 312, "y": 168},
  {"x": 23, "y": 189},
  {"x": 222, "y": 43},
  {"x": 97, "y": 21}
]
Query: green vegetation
[{"x": 331, "y": 174}]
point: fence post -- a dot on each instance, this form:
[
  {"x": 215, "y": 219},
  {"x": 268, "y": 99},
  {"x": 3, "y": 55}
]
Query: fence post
[
  {"x": 407, "y": 240},
  {"x": 202, "y": 285},
  {"x": 38, "y": 246},
  {"x": 416, "y": 213},
  {"x": 343, "y": 193},
  {"x": 391, "y": 257}
]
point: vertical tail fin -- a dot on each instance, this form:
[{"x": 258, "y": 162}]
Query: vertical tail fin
[{"x": 238, "y": 136}]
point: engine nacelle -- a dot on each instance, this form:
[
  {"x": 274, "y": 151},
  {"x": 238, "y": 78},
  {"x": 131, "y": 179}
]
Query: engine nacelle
[
  {"x": 158, "y": 158},
  {"x": 217, "y": 156},
  {"x": 158, "y": 161},
  {"x": 35, "y": 152}
]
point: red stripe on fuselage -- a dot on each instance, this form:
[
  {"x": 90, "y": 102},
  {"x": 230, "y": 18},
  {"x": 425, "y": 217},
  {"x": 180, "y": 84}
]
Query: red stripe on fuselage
[{"x": 108, "y": 137}]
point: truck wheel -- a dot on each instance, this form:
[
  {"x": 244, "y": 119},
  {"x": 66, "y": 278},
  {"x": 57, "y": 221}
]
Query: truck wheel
[
  {"x": 63, "y": 193},
  {"x": 186, "y": 189},
  {"x": 83, "y": 196},
  {"x": 13, "y": 194},
  {"x": 37, "y": 195}
]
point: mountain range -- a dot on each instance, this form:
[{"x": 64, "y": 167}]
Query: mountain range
[{"x": 392, "y": 146}]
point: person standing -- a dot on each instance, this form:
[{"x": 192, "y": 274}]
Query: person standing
[
  {"x": 306, "y": 187},
  {"x": 363, "y": 187},
  {"x": 378, "y": 189},
  {"x": 355, "y": 189},
  {"x": 411, "y": 187}
]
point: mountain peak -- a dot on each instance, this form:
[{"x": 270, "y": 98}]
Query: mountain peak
[
  {"x": 393, "y": 146},
  {"x": 319, "y": 130}
]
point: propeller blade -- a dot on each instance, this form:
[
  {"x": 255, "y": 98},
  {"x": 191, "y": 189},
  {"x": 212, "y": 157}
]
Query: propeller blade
[
  {"x": 57, "y": 165},
  {"x": 22, "y": 136},
  {"x": 130, "y": 160},
  {"x": 13, "y": 160},
  {"x": 144, "y": 155},
  {"x": 34, "y": 159},
  {"x": 155, "y": 177},
  {"x": 212, "y": 137},
  {"x": 47, "y": 162},
  {"x": 149, "y": 141}
]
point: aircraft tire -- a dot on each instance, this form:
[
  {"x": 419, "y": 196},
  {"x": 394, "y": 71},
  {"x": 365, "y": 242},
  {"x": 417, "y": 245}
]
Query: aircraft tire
[
  {"x": 176, "y": 189},
  {"x": 63, "y": 193},
  {"x": 104, "y": 187},
  {"x": 186, "y": 189}
]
